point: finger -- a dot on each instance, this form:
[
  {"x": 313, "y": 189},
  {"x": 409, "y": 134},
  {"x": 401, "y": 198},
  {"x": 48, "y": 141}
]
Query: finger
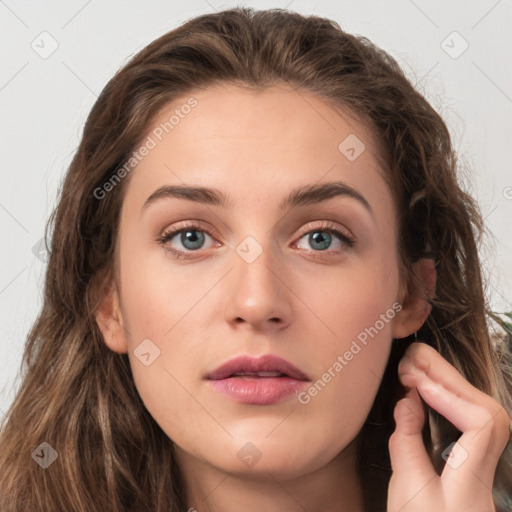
[
  {"x": 423, "y": 357},
  {"x": 406, "y": 448},
  {"x": 477, "y": 451}
]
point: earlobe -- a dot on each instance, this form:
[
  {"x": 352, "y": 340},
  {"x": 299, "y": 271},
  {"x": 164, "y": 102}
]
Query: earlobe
[
  {"x": 110, "y": 321},
  {"x": 416, "y": 307}
]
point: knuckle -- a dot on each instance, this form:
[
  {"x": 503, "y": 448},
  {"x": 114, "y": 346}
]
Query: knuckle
[
  {"x": 394, "y": 439},
  {"x": 502, "y": 422},
  {"x": 419, "y": 356},
  {"x": 495, "y": 416}
]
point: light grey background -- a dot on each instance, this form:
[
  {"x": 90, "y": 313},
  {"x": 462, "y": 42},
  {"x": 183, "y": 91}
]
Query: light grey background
[{"x": 44, "y": 101}]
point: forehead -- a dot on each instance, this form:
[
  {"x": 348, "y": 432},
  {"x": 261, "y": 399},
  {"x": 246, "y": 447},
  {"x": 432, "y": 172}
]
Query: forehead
[
  {"x": 228, "y": 110},
  {"x": 242, "y": 139}
]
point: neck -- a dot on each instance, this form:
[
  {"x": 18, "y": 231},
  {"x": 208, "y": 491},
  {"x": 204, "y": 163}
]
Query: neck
[{"x": 335, "y": 487}]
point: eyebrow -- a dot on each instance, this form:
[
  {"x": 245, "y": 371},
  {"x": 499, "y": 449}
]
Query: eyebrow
[{"x": 305, "y": 195}]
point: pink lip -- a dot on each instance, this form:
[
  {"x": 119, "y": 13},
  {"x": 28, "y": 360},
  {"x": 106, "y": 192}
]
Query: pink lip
[{"x": 254, "y": 389}]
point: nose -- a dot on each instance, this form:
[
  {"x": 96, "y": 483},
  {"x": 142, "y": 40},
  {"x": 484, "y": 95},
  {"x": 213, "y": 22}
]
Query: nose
[{"x": 259, "y": 295}]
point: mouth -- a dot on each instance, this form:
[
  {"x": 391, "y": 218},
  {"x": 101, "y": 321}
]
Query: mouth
[
  {"x": 257, "y": 381},
  {"x": 259, "y": 374}
]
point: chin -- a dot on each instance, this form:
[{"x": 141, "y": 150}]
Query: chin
[{"x": 268, "y": 459}]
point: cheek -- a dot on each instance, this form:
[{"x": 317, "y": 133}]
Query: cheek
[
  {"x": 346, "y": 302},
  {"x": 357, "y": 310},
  {"x": 161, "y": 303},
  {"x": 156, "y": 293}
]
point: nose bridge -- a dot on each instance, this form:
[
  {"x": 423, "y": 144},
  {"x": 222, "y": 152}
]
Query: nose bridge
[{"x": 257, "y": 293}]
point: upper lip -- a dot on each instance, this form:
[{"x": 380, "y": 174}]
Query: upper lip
[{"x": 247, "y": 364}]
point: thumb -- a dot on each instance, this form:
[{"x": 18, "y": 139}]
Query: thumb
[{"x": 408, "y": 455}]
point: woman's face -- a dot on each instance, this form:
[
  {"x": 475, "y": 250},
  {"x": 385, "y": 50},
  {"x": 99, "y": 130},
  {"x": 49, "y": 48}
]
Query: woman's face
[{"x": 261, "y": 272}]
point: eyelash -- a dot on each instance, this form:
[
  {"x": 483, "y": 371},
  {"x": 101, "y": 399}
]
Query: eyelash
[{"x": 327, "y": 227}]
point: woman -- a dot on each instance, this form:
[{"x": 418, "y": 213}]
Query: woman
[{"x": 263, "y": 292}]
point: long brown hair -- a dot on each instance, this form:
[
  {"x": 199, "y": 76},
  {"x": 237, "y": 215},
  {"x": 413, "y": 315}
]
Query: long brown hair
[{"x": 80, "y": 398}]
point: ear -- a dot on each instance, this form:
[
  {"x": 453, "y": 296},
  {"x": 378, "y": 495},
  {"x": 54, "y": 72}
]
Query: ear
[
  {"x": 110, "y": 321},
  {"x": 416, "y": 307}
]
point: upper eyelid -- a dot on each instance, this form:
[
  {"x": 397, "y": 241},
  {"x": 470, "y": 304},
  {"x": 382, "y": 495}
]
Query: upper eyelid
[
  {"x": 326, "y": 225},
  {"x": 322, "y": 224}
]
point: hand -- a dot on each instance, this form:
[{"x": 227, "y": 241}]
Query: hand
[{"x": 465, "y": 484}]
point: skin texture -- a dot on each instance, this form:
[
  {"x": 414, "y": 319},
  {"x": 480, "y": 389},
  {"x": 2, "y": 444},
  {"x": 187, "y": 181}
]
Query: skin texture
[{"x": 294, "y": 301}]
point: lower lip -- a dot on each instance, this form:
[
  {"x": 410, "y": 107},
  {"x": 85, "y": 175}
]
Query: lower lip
[{"x": 258, "y": 390}]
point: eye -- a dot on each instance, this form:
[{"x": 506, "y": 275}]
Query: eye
[
  {"x": 191, "y": 237},
  {"x": 321, "y": 239}
]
